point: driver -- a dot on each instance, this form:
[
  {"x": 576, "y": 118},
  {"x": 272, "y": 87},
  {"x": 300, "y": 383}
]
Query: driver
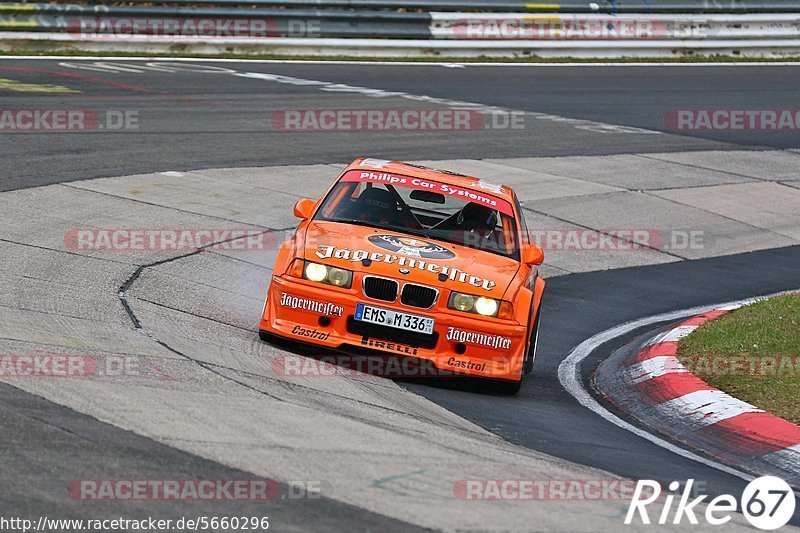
[{"x": 478, "y": 219}]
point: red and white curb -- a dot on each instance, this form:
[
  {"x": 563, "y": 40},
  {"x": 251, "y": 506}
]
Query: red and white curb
[{"x": 648, "y": 383}]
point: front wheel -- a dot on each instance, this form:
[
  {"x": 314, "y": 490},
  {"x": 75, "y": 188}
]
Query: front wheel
[
  {"x": 530, "y": 356},
  {"x": 508, "y": 388},
  {"x": 266, "y": 337}
]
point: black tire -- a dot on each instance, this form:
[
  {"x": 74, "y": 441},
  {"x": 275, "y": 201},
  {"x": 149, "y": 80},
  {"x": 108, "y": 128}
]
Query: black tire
[
  {"x": 506, "y": 388},
  {"x": 530, "y": 355},
  {"x": 276, "y": 340}
]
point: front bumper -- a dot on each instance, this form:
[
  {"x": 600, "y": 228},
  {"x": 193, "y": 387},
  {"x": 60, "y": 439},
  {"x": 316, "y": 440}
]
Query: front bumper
[{"x": 316, "y": 314}]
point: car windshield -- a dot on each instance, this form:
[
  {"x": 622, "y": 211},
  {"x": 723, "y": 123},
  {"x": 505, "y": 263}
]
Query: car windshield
[{"x": 423, "y": 207}]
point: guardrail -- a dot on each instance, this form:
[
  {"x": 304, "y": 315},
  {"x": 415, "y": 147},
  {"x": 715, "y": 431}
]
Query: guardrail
[
  {"x": 569, "y": 6},
  {"x": 211, "y": 28},
  {"x": 104, "y": 22},
  {"x": 513, "y": 26}
]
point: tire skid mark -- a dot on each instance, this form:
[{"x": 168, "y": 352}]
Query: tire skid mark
[{"x": 126, "y": 286}]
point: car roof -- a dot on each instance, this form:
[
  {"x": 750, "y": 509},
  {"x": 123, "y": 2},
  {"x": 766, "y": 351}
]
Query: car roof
[{"x": 443, "y": 176}]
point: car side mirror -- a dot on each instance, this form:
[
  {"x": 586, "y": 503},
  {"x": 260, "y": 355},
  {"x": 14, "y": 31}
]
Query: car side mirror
[
  {"x": 304, "y": 208},
  {"x": 532, "y": 255}
]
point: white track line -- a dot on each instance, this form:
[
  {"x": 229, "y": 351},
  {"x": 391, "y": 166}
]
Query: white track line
[
  {"x": 654, "y": 368},
  {"x": 569, "y": 374},
  {"x": 672, "y": 335}
]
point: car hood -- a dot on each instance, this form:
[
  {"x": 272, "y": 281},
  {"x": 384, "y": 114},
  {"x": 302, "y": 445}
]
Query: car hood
[{"x": 400, "y": 256}]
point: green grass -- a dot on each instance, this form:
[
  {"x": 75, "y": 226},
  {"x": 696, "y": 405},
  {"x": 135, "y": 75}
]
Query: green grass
[{"x": 751, "y": 339}]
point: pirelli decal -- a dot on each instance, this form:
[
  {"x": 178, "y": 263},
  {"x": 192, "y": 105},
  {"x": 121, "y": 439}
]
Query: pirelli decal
[{"x": 325, "y": 251}]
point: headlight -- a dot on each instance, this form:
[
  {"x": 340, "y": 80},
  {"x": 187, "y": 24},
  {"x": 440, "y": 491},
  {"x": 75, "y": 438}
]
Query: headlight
[
  {"x": 338, "y": 277},
  {"x": 462, "y": 302},
  {"x": 486, "y": 306},
  {"x": 468, "y": 303},
  {"x": 316, "y": 272}
]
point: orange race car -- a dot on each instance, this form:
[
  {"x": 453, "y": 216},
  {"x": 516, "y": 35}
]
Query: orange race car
[{"x": 406, "y": 260}]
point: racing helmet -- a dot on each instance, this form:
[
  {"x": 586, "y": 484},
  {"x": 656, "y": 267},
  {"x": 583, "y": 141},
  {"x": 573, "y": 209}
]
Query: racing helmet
[{"x": 476, "y": 217}]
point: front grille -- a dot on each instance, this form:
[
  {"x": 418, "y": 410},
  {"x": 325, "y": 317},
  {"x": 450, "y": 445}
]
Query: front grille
[
  {"x": 380, "y": 289},
  {"x": 375, "y": 331},
  {"x": 418, "y": 296}
]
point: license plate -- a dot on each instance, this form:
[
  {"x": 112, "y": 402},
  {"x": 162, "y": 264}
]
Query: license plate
[{"x": 394, "y": 319}]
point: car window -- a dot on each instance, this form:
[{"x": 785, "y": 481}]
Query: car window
[
  {"x": 425, "y": 208},
  {"x": 523, "y": 226}
]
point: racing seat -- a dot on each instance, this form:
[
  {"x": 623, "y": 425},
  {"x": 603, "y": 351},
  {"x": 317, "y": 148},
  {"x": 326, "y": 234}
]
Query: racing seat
[{"x": 378, "y": 206}]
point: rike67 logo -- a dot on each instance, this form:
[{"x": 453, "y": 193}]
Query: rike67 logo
[{"x": 768, "y": 503}]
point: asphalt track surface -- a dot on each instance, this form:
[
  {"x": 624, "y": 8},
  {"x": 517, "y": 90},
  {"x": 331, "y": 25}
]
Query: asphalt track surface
[
  {"x": 191, "y": 120},
  {"x": 544, "y": 417},
  {"x": 203, "y": 120},
  {"x": 56, "y": 444}
]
